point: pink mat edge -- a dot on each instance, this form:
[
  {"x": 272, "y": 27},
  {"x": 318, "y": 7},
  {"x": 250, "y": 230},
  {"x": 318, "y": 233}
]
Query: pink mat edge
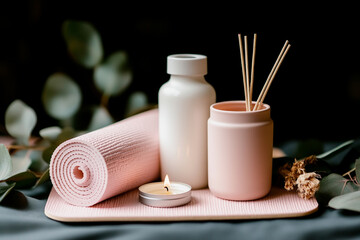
[{"x": 177, "y": 219}]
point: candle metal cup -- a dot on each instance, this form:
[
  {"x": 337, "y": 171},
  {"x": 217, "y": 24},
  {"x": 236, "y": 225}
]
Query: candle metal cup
[
  {"x": 240, "y": 146},
  {"x": 155, "y": 195}
]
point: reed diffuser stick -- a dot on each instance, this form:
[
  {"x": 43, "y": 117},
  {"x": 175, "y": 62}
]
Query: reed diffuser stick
[
  {"x": 248, "y": 99},
  {"x": 273, "y": 75},
  {"x": 243, "y": 69},
  {"x": 252, "y": 69},
  {"x": 256, "y": 107}
]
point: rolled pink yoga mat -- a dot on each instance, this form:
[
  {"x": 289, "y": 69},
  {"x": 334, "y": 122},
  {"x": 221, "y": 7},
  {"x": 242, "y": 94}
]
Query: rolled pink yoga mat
[{"x": 101, "y": 164}]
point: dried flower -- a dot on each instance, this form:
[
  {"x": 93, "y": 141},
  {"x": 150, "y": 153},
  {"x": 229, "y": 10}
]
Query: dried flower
[
  {"x": 308, "y": 184},
  {"x": 295, "y": 176},
  {"x": 310, "y": 160},
  {"x": 291, "y": 173}
]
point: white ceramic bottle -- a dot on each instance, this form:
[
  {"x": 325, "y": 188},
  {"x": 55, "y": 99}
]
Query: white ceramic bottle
[{"x": 184, "y": 108}]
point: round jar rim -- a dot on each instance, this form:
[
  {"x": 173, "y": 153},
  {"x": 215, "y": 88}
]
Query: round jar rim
[{"x": 213, "y": 107}]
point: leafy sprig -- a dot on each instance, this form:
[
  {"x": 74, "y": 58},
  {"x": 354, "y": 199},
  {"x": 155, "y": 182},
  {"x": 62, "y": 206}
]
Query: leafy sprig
[
  {"x": 339, "y": 187},
  {"x": 25, "y": 167},
  {"x": 25, "y": 162}
]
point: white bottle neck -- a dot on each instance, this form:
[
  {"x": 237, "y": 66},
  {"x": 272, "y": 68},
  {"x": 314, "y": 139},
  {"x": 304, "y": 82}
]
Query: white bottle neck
[{"x": 186, "y": 78}]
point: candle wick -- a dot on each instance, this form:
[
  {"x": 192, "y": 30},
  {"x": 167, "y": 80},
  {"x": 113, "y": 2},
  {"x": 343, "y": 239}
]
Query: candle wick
[{"x": 167, "y": 189}]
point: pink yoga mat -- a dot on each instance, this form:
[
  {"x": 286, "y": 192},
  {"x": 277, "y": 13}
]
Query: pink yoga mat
[
  {"x": 279, "y": 203},
  {"x": 101, "y": 164}
]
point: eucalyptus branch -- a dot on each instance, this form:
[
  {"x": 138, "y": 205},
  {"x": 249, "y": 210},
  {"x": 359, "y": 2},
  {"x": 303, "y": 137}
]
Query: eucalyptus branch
[
  {"x": 348, "y": 172},
  {"x": 23, "y": 147},
  {"x": 104, "y": 100}
]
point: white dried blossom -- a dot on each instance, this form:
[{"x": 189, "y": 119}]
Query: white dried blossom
[{"x": 308, "y": 184}]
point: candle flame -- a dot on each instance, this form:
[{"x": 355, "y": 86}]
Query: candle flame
[{"x": 167, "y": 183}]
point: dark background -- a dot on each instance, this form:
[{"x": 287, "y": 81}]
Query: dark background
[{"x": 315, "y": 95}]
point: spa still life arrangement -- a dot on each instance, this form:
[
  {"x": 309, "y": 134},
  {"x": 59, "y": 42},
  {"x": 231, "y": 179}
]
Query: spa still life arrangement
[{"x": 190, "y": 138}]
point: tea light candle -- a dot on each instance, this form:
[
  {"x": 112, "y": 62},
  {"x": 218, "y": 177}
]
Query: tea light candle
[{"x": 165, "y": 194}]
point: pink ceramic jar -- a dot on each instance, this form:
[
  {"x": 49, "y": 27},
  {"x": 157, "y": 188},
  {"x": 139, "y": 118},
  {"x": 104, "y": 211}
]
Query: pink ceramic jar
[{"x": 239, "y": 151}]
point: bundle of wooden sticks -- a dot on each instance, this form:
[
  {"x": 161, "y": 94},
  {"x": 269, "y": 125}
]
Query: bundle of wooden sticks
[{"x": 248, "y": 84}]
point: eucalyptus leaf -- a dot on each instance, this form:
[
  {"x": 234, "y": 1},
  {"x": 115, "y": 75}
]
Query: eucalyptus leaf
[
  {"x": 83, "y": 42},
  {"x": 349, "y": 201},
  {"x": 44, "y": 178},
  {"x": 21, "y": 162},
  {"x": 320, "y": 166},
  {"x": 341, "y": 157},
  {"x": 37, "y": 162},
  {"x": 47, "y": 153},
  {"x": 100, "y": 118},
  {"x": 65, "y": 134},
  {"x": 23, "y": 180},
  {"x": 5, "y": 190},
  {"x": 136, "y": 101},
  {"x": 92, "y": 117},
  {"x": 50, "y": 133},
  {"x": 336, "y": 150},
  {"x": 5, "y": 163},
  {"x": 61, "y": 96},
  {"x": 114, "y": 75},
  {"x": 334, "y": 185},
  {"x": 357, "y": 168},
  {"x": 20, "y": 120}
]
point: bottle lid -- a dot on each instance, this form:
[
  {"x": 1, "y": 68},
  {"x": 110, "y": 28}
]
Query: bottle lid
[{"x": 187, "y": 64}]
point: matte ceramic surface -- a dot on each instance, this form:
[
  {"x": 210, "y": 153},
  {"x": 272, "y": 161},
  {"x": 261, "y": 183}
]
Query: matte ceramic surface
[
  {"x": 184, "y": 108},
  {"x": 239, "y": 151}
]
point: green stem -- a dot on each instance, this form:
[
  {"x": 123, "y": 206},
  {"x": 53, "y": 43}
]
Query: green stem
[
  {"x": 22, "y": 147},
  {"x": 348, "y": 173},
  {"x": 104, "y": 100}
]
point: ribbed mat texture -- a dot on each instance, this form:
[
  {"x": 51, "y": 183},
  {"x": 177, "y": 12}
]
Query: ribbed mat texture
[
  {"x": 101, "y": 164},
  {"x": 204, "y": 206}
]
